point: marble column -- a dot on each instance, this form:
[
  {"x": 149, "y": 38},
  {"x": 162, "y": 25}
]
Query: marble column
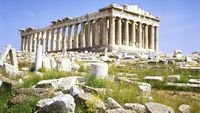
[
  {"x": 105, "y": 36},
  {"x": 119, "y": 32},
  {"x": 26, "y": 43},
  {"x": 64, "y": 40},
  {"x": 146, "y": 42},
  {"x": 82, "y": 35},
  {"x": 70, "y": 37},
  {"x": 23, "y": 43},
  {"x": 133, "y": 38},
  {"x": 126, "y": 33},
  {"x": 97, "y": 34},
  {"x": 58, "y": 45},
  {"x": 35, "y": 42},
  {"x": 156, "y": 38},
  {"x": 152, "y": 37},
  {"x": 90, "y": 33},
  {"x": 30, "y": 42},
  {"x": 112, "y": 31},
  {"x": 44, "y": 41},
  {"x": 52, "y": 39},
  {"x": 140, "y": 34},
  {"x": 76, "y": 36},
  {"x": 47, "y": 41}
]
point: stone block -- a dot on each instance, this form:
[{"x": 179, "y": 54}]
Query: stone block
[{"x": 99, "y": 70}]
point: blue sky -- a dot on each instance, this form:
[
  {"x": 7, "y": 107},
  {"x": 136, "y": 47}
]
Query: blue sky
[{"x": 179, "y": 26}]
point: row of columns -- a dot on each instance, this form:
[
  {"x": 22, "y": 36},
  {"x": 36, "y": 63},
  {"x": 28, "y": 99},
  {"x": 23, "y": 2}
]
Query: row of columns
[{"x": 104, "y": 32}]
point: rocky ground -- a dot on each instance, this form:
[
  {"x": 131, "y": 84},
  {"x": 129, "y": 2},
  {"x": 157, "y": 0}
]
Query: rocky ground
[{"x": 110, "y": 82}]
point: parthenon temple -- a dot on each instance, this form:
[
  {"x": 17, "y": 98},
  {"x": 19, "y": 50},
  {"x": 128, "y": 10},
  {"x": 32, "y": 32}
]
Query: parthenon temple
[{"x": 113, "y": 26}]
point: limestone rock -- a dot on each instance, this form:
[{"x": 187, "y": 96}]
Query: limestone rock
[
  {"x": 53, "y": 83},
  {"x": 75, "y": 90},
  {"x": 64, "y": 65},
  {"x": 99, "y": 70},
  {"x": 184, "y": 108},
  {"x": 11, "y": 70},
  {"x": 154, "y": 78},
  {"x": 5, "y": 84},
  {"x": 136, "y": 107},
  {"x": 173, "y": 78},
  {"x": 144, "y": 87},
  {"x": 194, "y": 81},
  {"x": 112, "y": 104},
  {"x": 27, "y": 94},
  {"x": 91, "y": 100},
  {"x": 153, "y": 107},
  {"x": 46, "y": 62},
  {"x": 61, "y": 104},
  {"x": 119, "y": 110}
]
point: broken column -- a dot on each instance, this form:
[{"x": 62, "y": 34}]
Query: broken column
[
  {"x": 38, "y": 59},
  {"x": 99, "y": 70}
]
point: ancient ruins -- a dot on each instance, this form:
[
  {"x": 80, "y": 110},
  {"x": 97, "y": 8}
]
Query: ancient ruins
[{"x": 112, "y": 27}]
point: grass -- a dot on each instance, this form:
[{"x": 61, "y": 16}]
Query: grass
[
  {"x": 120, "y": 91},
  {"x": 52, "y": 74}
]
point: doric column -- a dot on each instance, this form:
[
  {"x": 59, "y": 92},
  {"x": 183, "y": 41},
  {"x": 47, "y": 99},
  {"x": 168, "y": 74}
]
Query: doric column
[
  {"x": 105, "y": 35},
  {"x": 58, "y": 45},
  {"x": 119, "y": 32},
  {"x": 35, "y": 42},
  {"x": 96, "y": 30},
  {"x": 23, "y": 43},
  {"x": 152, "y": 37},
  {"x": 30, "y": 42},
  {"x": 44, "y": 41},
  {"x": 140, "y": 34},
  {"x": 70, "y": 37},
  {"x": 156, "y": 38},
  {"x": 82, "y": 35},
  {"x": 52, "y": 39},
  {"x": 146, "y": 37},
  {"x": 47, "y": 41},
  {"x": 111, "y": 31},
  {"x": 133, "y": 40},
  {"x": 64, "y": 40},
  {"x": 76, "y": 36},
  {"x": 26, "y": 43},
  {"x": 90, "y": 33},
  {"x": 126, "y": 33}
]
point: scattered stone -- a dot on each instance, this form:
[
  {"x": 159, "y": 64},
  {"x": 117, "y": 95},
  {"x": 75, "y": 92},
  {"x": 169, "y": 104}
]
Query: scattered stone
[
  {"x": 46, "y": 62},
  {"x": 194, "y": 81},
  {"x": 119, "y": 110},
  {"x": 12, "y": 55},
  {"x": 75, "y": 90},
  {"x": 5, "y": 84},
  {"x": 99, "y": 70},
  {"x": 91, "y": 100},
  {"x": 184, "y": 108},
  {"x": 53, "y": 83},
  {"x": 112, "y": 104},
  {"x": 61, "y": 104},
  {"x": 173, "y": 78},
  {"x": 64, "y": 65},
  {"x": 11, "y": 70},
  {"x": 144, "y": 87},
  {"x": 136, "y": 107},
  {"x": 28, "y": 94},
  {"x": 154, "y": 78},
  {"x": 153, "y": 107}
]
